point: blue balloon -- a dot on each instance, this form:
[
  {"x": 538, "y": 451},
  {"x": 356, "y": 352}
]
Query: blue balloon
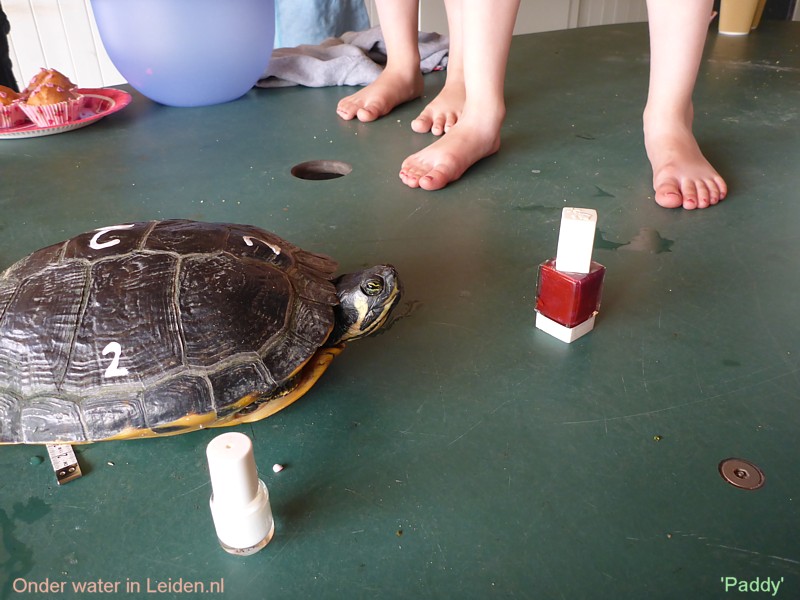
[{"x": 188, "y": 52}]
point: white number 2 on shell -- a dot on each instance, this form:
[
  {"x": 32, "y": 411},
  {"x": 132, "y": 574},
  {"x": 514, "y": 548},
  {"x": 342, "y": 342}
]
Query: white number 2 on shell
[{"x": 114, "y": 370}]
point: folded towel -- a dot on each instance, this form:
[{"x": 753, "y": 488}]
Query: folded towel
[{"x": 355, "y": 58}]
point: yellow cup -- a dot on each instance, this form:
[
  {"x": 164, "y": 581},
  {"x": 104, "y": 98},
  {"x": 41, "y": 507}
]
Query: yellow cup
[
  {"x": 736, "y": 17},
  {"x": 759, "y": 12}
]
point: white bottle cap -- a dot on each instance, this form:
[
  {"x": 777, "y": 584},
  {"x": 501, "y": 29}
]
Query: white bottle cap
[
  {"x": 561, "y": 332},
  {"x": 576, "y": 240},
  {"x": 239, "y": 500}
]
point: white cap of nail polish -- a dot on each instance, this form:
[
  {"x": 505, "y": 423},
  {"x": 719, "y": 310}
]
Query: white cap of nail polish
[
  {"x": 576, "y": 240},
  {"x": 239, "y": 500}
]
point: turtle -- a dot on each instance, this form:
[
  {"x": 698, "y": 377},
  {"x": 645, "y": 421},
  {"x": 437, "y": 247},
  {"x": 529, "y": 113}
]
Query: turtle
[{"x": 158, "y": 328}]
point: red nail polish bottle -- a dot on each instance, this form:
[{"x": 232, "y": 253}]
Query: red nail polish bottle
[{"x": 570, "y": 285}]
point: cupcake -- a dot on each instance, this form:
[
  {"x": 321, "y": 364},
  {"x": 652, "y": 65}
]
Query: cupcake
[
  {"x": 7, "y": 95},
  {"x": 11, "y": 114},
  {"x": 48, "y": 76},
  {"x": 51, "y": 104}
]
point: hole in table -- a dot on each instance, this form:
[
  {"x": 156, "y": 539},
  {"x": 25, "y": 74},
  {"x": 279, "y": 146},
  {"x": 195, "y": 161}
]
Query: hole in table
[{"x": 321, "y": 170}]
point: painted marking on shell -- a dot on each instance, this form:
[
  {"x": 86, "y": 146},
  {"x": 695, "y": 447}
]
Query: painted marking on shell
[
  {"x": 95, "y": 244},
  {"x": 114, "y": 370},
  {"x": 249, "y": 241}
]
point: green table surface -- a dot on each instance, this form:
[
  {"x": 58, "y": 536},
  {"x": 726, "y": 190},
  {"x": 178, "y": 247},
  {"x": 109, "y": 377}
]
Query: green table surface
[{"x": 462, "y": 453}]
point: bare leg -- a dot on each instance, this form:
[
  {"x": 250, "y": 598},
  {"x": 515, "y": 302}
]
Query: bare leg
[
  {"x": 488, "y": 25},
  {"x": 401, "y": 79},
  {"x": 444, "y": 110},
  {"x": 681, "y": 174}
]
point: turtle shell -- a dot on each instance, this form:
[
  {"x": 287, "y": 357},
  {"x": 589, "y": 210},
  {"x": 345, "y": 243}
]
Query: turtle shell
[{"x": 155, "y": 328}]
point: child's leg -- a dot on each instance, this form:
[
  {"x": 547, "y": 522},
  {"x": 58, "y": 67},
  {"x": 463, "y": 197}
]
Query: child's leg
[
  {"x": 401, "y": 79},
  {"x": 443, "y": 111},
  {"x": 681, "y": 174},
  {"x": 486, "y": 29}
]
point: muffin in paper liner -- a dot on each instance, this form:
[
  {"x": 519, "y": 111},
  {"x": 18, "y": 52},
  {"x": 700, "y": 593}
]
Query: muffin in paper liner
[
  {"x": 50, "y": 105},
  {"x": 48, "y": 76},
  {"x": 12, "y": 116}
]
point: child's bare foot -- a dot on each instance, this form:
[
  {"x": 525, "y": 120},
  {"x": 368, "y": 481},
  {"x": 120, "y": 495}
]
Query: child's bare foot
[
  {"x": 447, "y": 159},
  {"x": 389, "y": 90},
  {"x": 443, "y": 111},
  {"x": 681, "y": 174}
]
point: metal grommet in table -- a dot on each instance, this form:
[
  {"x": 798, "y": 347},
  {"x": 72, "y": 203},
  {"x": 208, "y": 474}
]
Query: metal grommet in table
[{"x": 742, "y": 474}]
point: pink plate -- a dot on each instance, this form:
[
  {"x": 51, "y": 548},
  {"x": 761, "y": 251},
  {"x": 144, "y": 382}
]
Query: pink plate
[{"x": 97, "y": 103}]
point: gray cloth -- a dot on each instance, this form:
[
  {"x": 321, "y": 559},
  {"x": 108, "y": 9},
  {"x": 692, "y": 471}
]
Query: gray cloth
[{"x": 355, "y": 58}]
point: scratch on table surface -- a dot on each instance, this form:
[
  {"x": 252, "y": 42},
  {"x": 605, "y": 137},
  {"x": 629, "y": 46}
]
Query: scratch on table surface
[
  {"x": 194, "y": 489},
  {"x": 639, "y": 414},
  {"x": 416, "y": 210},
  {"x": 755, "y": 65},
  {"x": 363, "y": 497},
  {"x": 603, "y": 410},
  {"x": 409, "y": 431},
  {"x": 466, "y": 432},
  {"x": 429, "y": 535},
  {"x": 697, "y": 380},
  {"x": 781, "y": 558},
  {"x": 735, "y": 549},
  {"x": 502, "y": 404},
  {"x": 288, "y": 542},
  {"x": 641, "y": 363},
  {"x": 683, "y": 404}
]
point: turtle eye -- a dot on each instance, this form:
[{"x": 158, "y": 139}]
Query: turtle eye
[{"x": 372, "y": 287}]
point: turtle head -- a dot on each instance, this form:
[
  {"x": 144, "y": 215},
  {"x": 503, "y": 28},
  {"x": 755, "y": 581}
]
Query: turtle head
[{"x": 366, "y": 299}]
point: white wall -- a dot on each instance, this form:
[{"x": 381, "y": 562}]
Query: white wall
[
  {"x": 58, "y": 34},
  {"x": 61, "y": 34}
]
